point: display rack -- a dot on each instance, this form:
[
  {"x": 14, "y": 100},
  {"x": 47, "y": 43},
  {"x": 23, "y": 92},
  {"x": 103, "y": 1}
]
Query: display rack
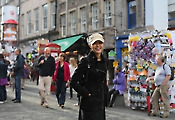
[{"x": 143, "y": 48}]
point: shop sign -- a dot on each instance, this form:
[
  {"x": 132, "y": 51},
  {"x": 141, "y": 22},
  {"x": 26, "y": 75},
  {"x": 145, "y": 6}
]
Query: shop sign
[
  {"x": 9, "y": 13},
  {"x": 125, "y": 42},
  {"x": 111, "y": 55},
  {"x": 115, "y": 64}
]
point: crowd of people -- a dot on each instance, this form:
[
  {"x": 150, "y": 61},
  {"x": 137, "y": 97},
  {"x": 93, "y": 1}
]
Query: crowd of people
[{"x": 88, "y": 79}]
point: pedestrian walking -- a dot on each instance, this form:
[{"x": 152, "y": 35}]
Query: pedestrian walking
[
  {"x": 18, "y": 74},
  {"x": 119, "y": 85},
  {"x": 25, "y": 76},
  {"x": 89, "y": 80},
  {"x": 35, "y": 71},
  {"x": 46, "y": 64},
  {"x": 161, "y": 79},
  {"x": 72, "y": 67},
  {"x": 3, "y": 78},
  {"x": 62, "y": 77}
]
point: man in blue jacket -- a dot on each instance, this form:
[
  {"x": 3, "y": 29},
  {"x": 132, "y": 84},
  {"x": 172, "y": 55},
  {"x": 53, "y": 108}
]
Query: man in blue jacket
[{"x": 18, "y": 73}]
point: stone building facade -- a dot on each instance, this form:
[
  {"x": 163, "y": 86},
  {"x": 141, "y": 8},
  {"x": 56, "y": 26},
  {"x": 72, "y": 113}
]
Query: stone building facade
[{"x": 57, "y": 19}]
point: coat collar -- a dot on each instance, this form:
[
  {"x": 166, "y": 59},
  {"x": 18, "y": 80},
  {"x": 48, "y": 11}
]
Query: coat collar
[{"x": 93, "y": 57}]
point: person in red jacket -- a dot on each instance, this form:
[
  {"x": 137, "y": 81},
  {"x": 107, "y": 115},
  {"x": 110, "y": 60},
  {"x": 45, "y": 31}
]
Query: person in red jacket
[{"x": 62, "y": 77}]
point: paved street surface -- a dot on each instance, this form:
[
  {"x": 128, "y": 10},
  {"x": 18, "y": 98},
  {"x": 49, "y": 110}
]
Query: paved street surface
[{"x": 30, "y": 108}]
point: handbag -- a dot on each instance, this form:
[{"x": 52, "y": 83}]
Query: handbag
[{"x": 3, "y": 81}]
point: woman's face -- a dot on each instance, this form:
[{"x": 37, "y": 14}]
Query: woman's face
[
  {"x": 61, "y": 58},
  {"x": 97, "y": 47}
]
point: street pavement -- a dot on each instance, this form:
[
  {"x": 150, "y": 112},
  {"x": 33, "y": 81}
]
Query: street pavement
[{"x": 30, "y": 108}]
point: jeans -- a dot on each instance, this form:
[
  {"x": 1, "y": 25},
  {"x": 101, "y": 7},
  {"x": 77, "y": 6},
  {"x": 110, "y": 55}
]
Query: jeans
[
  {"x": 61, "y": 92},
  {"x": 115, "y": 93},
  {"x": 3, "y": 93},
  {"x": 18, "y": 87},
  {"x": 71, "y": 92}
]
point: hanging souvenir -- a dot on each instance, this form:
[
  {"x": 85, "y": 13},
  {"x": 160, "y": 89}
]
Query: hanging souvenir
[
  {"x": 143, "y": 79},
  {"x": 146, "y": 48},
  {"x": 170, "y": 40},
  {"x": 158, "y": 47},
  {"x": 140, "y": 44},
  {"x": 143, "y": 73}
]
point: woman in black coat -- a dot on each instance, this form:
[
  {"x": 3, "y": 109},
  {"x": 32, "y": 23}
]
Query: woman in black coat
[{"x": 89, "y": 80}]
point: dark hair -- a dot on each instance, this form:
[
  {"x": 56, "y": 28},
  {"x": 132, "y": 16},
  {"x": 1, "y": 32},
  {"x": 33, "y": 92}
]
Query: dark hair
[
  {"x": 18, "y": 49},
  {"x": 63, "y": 55},
  {"x": 4, "y": 60},
  {"x": 1, "y": 56},
  {"x": 118, "y": 68}
]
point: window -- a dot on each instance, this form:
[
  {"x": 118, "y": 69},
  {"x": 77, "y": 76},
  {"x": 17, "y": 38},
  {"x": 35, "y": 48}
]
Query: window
[
  {"x": 36, "y": 20},
  {"x": 107, "y": 13},
  {"x": 83, "y": 19},
  {"x": 53, "y": 14},
  {"x": 73, "y": 22},
  {"x": 17, "y": 11},
  {"x": 22, "y": 24},
  {"x": 2, "y": 2},
  {"x": 94, "y": 16},
  {"x": 29, "y": 22},
  {"x": 131, "y": 14},
  {"x": 44, "y": 22},
  {"x": 6, "y": 1},
  {"x": 63, "y": 24},
  {"x": 171, "y": 19}
]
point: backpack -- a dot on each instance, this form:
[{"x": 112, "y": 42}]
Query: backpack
[{"x": 172, "y": 72}]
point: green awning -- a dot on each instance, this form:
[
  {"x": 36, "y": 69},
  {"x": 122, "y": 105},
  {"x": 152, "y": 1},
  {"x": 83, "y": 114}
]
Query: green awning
[{"x": 67, "y": 42}]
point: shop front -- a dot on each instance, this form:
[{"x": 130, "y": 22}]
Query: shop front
[
  {"x": 75, "y": 46},
  {"x": 75, "y": 43},
  {"x": 122, "y": 49}
]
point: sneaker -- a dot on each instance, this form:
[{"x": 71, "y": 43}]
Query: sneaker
[
  {"x": 1, "y": 102},
  {"x": 164, "y": 115},
  {"x": 17, "y": 101},
  {"x": 14, "y": 99},
  {"x": 62, "y": 106},
  {"x": 46, "y": 106},
  {"x": 76, "y": 104}
]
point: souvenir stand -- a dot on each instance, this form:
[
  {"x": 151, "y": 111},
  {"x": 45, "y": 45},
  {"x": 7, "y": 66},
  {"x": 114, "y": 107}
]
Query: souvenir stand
[{"x": 143, "y": 48}]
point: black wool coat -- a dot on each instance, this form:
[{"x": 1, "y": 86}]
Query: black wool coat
[{"x": 90, "y": 78}]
